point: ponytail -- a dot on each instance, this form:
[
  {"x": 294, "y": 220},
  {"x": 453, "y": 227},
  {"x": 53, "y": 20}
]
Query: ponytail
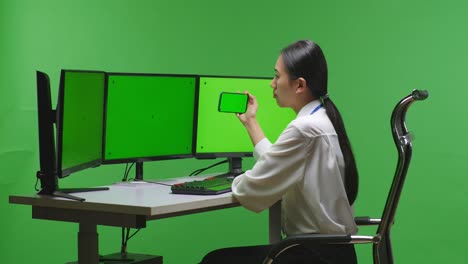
[
  {"x": 305, "y": 59},
  {"x": 351, "y": 173}
]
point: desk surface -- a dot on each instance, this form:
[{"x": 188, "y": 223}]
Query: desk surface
[
  {"x": 128, "y": 204},
  {"x": 137, "y": 198}
]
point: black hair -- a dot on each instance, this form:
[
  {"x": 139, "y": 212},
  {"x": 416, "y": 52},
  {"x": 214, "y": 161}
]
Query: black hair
[{"x": 305, "y": 59}]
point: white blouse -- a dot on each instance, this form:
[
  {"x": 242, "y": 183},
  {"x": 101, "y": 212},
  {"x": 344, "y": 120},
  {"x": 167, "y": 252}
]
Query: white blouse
[{"x": 305, "y": 169}]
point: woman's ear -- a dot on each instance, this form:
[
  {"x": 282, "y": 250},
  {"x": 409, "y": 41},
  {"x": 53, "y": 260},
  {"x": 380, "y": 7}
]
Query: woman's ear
[{"x": 301, "y": 85}]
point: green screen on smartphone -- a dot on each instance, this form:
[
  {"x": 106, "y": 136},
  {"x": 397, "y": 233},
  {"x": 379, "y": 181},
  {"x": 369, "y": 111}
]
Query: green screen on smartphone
[
  {"x": 149, "y": 117},
  {"x": 223, "y": 135},
  {"x": 233, "y": 102}
]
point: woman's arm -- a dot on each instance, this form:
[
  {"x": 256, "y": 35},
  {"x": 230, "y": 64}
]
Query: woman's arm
[
  {"x": 274, "y": 173},
  {"x": 249, "y": 120}
]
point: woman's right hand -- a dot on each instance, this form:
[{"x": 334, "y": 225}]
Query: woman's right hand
[
  {"x": 249, "y": 120},
  {"x": 251, "y": 113}
]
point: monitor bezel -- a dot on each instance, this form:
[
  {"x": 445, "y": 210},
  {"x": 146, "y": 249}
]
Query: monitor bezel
[
  {"x": 61, "y": 173},
  {"x": 157, "y": 157},
  {"x": 214, "y": 155}
]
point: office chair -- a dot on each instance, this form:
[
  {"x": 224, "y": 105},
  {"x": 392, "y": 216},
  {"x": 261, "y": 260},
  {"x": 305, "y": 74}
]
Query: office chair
[{"x": 382, "y": 250}]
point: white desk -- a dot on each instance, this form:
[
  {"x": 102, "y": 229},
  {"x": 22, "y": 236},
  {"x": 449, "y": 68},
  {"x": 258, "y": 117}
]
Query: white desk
[{"x": 127, "y": 205}]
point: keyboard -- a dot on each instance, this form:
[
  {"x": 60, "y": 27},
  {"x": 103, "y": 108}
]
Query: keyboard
[{"x": 212, "y": 185}]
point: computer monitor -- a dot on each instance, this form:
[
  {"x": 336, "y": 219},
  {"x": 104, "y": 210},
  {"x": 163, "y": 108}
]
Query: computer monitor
[
  {"x": 46, "y": 121},
  {"x": 149, "y": 117},
  {"x": 80, "y": 111},
  {"x": 50, "y": 167},
  {"x": 222, "y": 134}
]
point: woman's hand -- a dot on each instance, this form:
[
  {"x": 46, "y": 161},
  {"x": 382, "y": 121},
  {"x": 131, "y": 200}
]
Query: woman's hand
[
  {"x": 249, "y": 120},
  {"x": 251, "y": 113}
]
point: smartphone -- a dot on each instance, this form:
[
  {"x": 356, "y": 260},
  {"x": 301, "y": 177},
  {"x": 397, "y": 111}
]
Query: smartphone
[{"x": 233, "y": 102}]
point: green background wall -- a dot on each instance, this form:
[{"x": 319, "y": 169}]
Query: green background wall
[{"x": 378, "y": 51}]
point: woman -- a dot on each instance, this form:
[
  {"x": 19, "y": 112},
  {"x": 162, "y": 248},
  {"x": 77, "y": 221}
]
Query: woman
[{"x": 310, "y": 168}]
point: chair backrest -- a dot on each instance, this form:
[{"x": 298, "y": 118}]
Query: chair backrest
[
  {"x": 382, "y": 251},
  {"x": 403, "y": 142}
]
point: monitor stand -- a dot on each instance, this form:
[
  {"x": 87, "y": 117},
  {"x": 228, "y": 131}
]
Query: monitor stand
[
  {"x": 235, "y": 166},
  {"x": 61, "y": 195},
  {"x": 65, "y": 192},
  {"x": 139, "y": 171},
  {"x": 49, "y": 187}
]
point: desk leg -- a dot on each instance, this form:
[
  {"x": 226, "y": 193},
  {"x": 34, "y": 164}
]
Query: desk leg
[
  {"x": 275, "y": 222},
  {"x": 88, "y": 247}
]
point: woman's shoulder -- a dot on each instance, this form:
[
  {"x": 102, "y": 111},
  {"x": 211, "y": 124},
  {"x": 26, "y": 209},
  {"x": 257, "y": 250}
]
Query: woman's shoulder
[{"x": 313, "y": 125}]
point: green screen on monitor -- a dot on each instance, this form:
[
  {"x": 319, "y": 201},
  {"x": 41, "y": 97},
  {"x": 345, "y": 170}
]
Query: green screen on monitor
[
  {"x": 80, "y": 120},
  {"x": 222, "y": 134},
  {"x": 149, "y": 117}
]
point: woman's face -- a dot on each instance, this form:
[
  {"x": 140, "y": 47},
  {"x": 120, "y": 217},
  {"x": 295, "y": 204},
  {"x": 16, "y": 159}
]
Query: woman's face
[{"x": 283, "y": 91}]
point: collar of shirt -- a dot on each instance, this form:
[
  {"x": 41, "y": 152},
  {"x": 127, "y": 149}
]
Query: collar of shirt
[{"x": 308, "y": 108}]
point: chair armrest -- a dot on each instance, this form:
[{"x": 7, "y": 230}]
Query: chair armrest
[
  {"x": 316, "y": 239},
  {"x": 366, "y": 220}
]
